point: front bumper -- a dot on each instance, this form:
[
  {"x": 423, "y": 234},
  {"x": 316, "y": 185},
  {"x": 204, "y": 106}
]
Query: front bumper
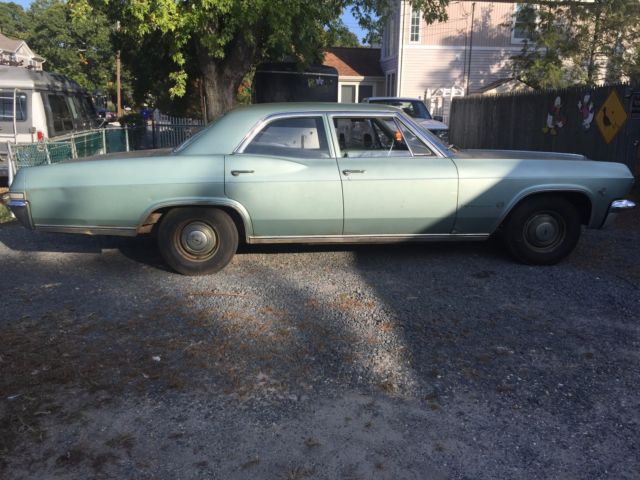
[
  {"x": 21, "y": 210},
  {"x": 616, "y": 207}
]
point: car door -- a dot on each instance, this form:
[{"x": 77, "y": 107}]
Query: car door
[
  {"x": 287, "y": 178},
  {"x": 392, "y": 182}
]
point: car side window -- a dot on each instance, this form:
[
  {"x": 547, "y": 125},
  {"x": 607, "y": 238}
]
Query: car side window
[
  {"x": 417, "y": 146},
  {"x": 370, "y": 137},
  {"x": 291, "y": 137}
]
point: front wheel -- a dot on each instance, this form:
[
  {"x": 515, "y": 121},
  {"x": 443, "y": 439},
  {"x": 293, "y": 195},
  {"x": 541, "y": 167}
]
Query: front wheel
[
  {"x": 542, "y": 230},
  {"x": 197, "y": 241}
]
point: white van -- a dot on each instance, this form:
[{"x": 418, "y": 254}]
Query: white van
[{"x": 38, "y": 105}]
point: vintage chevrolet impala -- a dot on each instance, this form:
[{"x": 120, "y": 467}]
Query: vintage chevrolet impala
[{"x": 322, "y": 173}]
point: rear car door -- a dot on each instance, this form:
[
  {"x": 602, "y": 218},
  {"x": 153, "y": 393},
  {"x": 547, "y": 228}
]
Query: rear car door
[
  {"x": 393, "y": 183},
  {"x": 287, "y": 178}
]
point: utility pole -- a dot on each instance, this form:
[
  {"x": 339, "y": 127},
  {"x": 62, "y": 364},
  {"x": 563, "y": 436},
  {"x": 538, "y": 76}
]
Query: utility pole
[
  {"x": 473, "y": 12},
  {"x": 118, "y": 93}
]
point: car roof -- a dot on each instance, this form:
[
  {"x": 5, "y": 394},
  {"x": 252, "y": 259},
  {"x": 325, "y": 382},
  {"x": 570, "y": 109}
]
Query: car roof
[
  {"x": 231, "y": 128},
  {"x": 398, "y": 99}
]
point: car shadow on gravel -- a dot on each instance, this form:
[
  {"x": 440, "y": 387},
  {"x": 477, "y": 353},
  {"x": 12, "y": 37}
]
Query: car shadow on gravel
[{"x": 143, "y": 249}]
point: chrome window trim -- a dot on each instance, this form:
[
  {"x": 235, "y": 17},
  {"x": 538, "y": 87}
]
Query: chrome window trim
[
  {"x": 397, "y": 116},
  {"x": 308, "y": 113},
  {"x": 265, "y": 121}
]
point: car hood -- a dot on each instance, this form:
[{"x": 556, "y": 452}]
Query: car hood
[
  {"x": 518, "y": 155},
  {"x": 431, "y": 124}
]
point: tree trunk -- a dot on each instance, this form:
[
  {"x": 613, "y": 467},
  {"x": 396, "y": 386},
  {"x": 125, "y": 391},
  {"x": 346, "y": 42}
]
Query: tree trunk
[{"x": 223, "y": 77}]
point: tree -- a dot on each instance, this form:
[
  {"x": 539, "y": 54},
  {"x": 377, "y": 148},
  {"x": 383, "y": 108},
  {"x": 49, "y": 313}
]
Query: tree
[
  {"x": 578, "y": 43},
  {"x": 225, "y": 38},
  {"x": 78, "y": 47},
  {"x": 337, "y": 34},
  {"x": 13, "y": 20}
]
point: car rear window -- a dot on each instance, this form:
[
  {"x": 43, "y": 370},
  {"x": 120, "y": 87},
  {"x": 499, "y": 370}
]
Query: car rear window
[{"x": 292, "y": 137}]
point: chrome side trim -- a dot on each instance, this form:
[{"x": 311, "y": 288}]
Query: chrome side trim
[
  {"x": 89, "y": 230},
  {"x": 386, "y": 238}
]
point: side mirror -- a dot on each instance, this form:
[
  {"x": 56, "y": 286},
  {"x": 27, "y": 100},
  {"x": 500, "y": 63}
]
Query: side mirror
[{"x": 437, "y": 118}]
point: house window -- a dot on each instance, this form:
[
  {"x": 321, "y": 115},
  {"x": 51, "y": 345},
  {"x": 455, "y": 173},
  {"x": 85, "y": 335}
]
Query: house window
[
  {"x": 524, "y": 20},
  {"x": 415, "y": 25},
  {"x": 365, "y": 91}
]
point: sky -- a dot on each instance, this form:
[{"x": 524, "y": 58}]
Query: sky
[{"x": 347, "y": 18}]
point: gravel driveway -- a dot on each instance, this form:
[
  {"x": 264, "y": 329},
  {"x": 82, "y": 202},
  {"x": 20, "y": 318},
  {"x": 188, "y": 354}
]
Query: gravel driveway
[{"x": 399, "y": 362}]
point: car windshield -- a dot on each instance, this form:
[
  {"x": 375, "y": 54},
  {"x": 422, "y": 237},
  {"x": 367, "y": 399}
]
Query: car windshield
[{"x": 413, "y": 108}]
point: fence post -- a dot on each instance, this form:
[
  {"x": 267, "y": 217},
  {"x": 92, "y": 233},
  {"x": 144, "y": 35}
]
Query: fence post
[
  {"x": 10, "y": 164},
  {"x": 74, "y": 151},
  {"x": 104, "y": 141},
  {"x": 153, "y": 132},
  {"x": 126, "y": 137},
  {"x": 46, "y": 152}
]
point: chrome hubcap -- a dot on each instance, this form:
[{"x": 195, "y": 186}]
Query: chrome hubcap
[
  {"x": 198, "y": 239},
  {"x": 544, "y": 231}
]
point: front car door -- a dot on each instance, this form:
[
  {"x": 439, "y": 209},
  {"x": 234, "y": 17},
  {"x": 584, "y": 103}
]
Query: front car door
[
  {"x": 393, "y": 182},
  {"x": 287, "y": 178}
]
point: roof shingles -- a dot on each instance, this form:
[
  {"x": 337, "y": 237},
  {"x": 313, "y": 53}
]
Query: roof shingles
[{"x": 354, "y": 61}]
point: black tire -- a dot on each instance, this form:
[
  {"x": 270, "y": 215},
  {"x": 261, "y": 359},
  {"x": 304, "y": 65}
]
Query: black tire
[
  {"x": 197, "y": 241},
  {"x": 542, "y": 230}
]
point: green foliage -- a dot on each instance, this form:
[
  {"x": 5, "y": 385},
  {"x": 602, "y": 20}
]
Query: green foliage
[
  {"x": 170, "y": 45},
  {"x": 77, "y": 46},
  {"x": 579, "y": 43},
  {"x": 13, "y": 20},
  {"x": 337, "y": 34}
]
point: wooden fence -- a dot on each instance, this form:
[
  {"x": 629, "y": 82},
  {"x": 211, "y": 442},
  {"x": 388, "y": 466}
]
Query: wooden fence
[{"x": 602, "y": 123}]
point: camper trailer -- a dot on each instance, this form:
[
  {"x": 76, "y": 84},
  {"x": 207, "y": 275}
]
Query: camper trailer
[{"x": 36, "y": 105}]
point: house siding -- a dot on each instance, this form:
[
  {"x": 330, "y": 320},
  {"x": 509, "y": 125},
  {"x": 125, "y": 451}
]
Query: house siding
[
  {"x": 447, "y": 67},
  {"x": 491, "y": 25}
]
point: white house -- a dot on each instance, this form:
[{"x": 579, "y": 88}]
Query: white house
[
  {"x": 461, "y": 56},
  {"x": 18, "y": 54}
]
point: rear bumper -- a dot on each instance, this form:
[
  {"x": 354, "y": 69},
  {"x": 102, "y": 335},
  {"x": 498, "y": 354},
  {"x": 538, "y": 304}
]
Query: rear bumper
[{"x": 616, "y": 207}]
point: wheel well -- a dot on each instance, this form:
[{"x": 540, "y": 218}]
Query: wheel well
[
  {"x": 152, "y": 221},
  {"x": 578, "y": 199}
]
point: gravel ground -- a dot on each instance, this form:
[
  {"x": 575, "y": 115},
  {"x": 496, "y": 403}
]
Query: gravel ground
[{"x": 410, "y": 361}]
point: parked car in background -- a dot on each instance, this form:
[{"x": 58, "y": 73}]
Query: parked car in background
[
  {"x": 417, "y": 110},
  {"x": 322, "y": 173},
  {"x": 36, "y": 105}
]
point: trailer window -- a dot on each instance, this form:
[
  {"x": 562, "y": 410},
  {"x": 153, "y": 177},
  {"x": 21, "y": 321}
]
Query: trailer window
[
  {"x": 6, "y": 106},
  {"x": 61, "y": 116}
]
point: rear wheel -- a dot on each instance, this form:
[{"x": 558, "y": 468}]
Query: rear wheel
[
  {"x": 542, "y": 230},
  {"x": 197, "y": 241}
]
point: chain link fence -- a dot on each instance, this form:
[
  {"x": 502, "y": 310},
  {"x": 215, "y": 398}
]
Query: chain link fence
[{"x": 168, "y": 132}]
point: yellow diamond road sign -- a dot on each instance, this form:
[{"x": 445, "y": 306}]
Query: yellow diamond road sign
[{"x": 611, "y": 117}]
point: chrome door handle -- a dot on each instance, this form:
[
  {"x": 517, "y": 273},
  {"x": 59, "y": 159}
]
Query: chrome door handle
[
  {"x": 349, "y": 172},
  {"x": 235, "y": 173}
]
